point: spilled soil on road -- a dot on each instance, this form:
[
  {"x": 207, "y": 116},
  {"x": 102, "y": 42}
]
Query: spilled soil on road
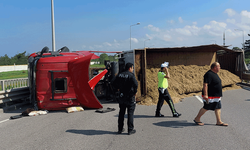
[{"x": 185, "y": 81}]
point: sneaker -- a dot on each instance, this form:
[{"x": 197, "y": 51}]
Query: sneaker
[
  {"x": 131, "y": 132},
  {"x": 120, "y": 132},
  {"x": 176, "y": 115},
  {"x": 159, "y": 115}
]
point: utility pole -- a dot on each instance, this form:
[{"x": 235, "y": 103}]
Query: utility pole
[{"x": 53, "y": 27}]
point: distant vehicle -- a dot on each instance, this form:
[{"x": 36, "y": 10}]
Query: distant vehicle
[{"x": 58, "y": 80}]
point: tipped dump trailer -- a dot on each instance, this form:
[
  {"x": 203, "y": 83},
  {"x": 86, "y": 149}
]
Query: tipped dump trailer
[{"x": 231, "y": 60}]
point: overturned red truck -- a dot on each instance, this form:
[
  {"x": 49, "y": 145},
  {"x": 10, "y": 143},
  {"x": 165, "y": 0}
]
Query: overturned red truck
[{"x": 58, "y": 80}]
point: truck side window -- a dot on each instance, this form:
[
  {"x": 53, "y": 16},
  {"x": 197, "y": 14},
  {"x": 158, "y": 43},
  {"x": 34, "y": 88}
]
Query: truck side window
[{"x": 60, "y": 85}]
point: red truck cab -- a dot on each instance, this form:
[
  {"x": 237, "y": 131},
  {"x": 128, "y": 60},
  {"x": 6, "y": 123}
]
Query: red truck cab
[{"x": 58, "y": 80}]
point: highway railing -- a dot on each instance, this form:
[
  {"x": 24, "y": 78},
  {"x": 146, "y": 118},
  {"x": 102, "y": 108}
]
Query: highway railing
[
  {"x": 14, "y": 93},
  {"x": 13, "y": 83}
]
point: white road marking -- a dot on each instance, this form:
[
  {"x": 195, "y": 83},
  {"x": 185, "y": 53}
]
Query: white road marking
[
  {"x": 4, "y": 120},
  {"x": 199, "y": 98}
]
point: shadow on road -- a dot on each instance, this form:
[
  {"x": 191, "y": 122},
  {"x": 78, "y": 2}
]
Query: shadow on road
[
  {"x": 90, "y": 132},
  {"x": 175, "y": 124},
  {"x": 145, "y": 116}
]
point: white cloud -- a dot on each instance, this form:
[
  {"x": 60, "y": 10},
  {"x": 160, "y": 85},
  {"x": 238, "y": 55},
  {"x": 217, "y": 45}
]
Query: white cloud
[
  {"x": 188, "y": 30},
  {"x": 194, "y": 29},
  {"x": 245, "y": 13},
  {"x": 167, "y": 37},
  {"x": 230, "y": 12},
  {"x": 220, "y": 24},
  {"x": 207, "y": 27},
  {"x": 231, "y": 21},
  {"x": 215, "y": 26},
  {"x": 245, "y": 18},
  {"x": 134, "y": 40},
  {"x": 152, "y": 28},
  {"x": 98, "y": 46},
  {"x": 116, "y": 44},
  {"x": 180, "y": 20},
  {"x": 171, "y": 21},
  {"x": 148, "y": 36},
  {"x": 189, "y": 33},
  {"x": 180, "y": 39},
  {"x": 244, "y": 27},
  {"x": 107, "y": 44},
  {"x": 184, "y": 31}
]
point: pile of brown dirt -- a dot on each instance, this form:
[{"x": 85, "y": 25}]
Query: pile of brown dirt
[{"x": 185, "y": 81}]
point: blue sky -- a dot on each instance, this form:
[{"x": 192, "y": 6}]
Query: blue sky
[{"x": 25, "y": 25}]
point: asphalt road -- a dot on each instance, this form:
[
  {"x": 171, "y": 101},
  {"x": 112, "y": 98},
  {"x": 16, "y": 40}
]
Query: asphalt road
[{"x": 88, "y": 130}]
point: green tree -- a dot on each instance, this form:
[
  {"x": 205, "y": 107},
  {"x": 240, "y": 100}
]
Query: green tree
[
  {"x": 103, "y": 57},
  {"x": 112, "y": 58},
  {"x": 247, "y": 57},
  {"x": 5, "y": 60},
  {"x": 236, "y": 48},
  {"x": 20, "y": 59}
]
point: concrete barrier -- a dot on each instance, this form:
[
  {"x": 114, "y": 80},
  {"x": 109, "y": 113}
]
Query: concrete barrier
[{"x": 13, "y": 68}]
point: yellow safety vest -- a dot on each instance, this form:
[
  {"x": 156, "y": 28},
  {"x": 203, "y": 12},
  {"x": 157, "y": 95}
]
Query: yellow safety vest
[{"x": 162, "y": 82}]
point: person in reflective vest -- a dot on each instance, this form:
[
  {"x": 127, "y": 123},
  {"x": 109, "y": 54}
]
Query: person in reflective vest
[{"x": 163, "y": 75}]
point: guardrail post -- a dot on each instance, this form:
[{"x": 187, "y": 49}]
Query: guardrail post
[
  {"x": 7, "y": 85},
  {"x": 2, "y": 85}
]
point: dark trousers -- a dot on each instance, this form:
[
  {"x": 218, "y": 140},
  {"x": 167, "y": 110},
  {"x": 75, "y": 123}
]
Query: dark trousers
[
  {"x": 130, "y": 111},
  {"x": 165, "y": 96}
]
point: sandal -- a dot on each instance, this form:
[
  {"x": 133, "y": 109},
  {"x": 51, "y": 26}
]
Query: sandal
[
  {"x": 222, "y": 124},
  {"x": 198, "y": 123}
]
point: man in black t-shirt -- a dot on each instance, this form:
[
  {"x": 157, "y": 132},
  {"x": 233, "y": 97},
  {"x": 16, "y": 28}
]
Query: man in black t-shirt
[{"x": 211, "y": 93}]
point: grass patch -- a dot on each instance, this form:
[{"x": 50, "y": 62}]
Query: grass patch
[
  {"x": 97, "y": 66},
  {"x": 24, "y": 73},
  {"x": 13, "y": 74}
]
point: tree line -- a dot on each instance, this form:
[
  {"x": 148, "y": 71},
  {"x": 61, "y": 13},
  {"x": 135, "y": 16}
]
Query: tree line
[
  {"x": 104, "y": 57},
  {"x": 22, "y": 59},
  {"x": 18, "y": 59}
]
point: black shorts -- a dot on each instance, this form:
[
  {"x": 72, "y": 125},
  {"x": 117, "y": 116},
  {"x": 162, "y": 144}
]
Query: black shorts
[{"x": 212, "y": 106}]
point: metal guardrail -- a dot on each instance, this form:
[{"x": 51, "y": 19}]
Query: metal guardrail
[
  {"x": 13, "y": 83},
  {"x": 14, "y": 93}
]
